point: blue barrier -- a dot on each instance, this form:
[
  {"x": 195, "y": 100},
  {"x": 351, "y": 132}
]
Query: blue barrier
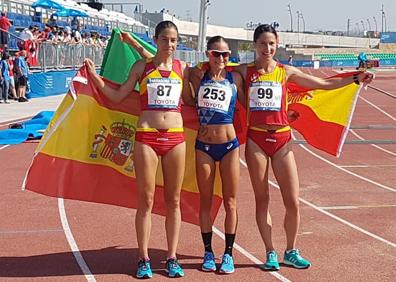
[
  {"x": 339, "y": 63},
  {"x": 49, "y": 83}
]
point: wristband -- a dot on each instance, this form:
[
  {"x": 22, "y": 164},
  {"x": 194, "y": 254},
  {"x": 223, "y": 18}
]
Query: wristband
[{"x": 356, "y": 79}]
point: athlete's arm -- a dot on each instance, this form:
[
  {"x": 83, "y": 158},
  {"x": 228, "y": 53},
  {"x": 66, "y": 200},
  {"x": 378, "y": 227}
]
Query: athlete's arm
[
  {"x": 241, "y": 69},
  {"x": 121, "y": 92},
  {"x": 240, "y": 87},
  {"x": 188, "y": 92},
  {"x": 313, "y": 82},
  {"x": 127, "y": 38},
  {"x": 195, "y": 77}
]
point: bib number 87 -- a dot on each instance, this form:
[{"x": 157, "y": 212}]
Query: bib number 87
[
  {"x": 164, "y": 90},
  {"x": 266, "y": 93}
]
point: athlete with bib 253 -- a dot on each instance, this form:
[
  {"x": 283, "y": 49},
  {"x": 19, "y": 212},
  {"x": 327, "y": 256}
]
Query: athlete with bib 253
[
  {"x": 159, "y": 134},
  {"x": 216, "y": 92},
  {"x": 269, "y": 138}
]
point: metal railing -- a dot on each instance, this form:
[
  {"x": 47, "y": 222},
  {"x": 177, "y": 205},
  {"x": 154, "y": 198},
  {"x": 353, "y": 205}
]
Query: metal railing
[{"x": 64, "y": 55}]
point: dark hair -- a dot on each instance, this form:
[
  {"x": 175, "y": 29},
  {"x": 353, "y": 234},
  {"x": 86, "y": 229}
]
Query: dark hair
[
  {"x": 164, "y": 25},
  {"x": 5, "y": 56},
  {"x": 264, "y": 28},
  {"x": 213, "y": 40}
]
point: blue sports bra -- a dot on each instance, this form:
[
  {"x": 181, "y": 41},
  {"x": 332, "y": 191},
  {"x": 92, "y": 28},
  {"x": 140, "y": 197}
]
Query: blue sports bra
[{"x": 216, "y": 100}]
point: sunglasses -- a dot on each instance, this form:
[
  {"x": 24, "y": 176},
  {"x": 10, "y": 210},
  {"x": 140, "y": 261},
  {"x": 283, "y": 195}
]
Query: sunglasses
[{"x": 217, "y": 53}]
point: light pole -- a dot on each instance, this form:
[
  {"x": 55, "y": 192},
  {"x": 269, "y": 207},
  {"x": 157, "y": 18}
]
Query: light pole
[
  {"x": 382, "y": 18},
  {"x": 203, "y": 17},
  {"x": 358, "y": 29},
  {"x": 298, "y": 21},
  {"x": 362, "y": 22},
  {"x": 291, "y": 18},
  {"x": 348, "y": 26},
  {"x": 375, "y": 23},
  {"x": 369, "y": 25},
  {"x": 303, "y": 20}
]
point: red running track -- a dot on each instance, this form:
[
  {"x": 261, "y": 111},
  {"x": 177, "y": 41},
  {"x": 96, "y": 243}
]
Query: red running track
[{"x": 348, "y": 227}]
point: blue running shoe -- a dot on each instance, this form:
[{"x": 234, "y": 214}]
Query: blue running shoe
[
  {"x": 227, "y": 264},
  {"x": 144, "y": 269},
  {"x": 272, "y": 261},
  {"x": 209, "y": 263},
  {"x": 293, "y": 258},
  {"x": 173, "y": 268}
]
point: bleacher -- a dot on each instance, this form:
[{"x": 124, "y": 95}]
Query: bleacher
[
  {"x": 351, "y": 57},
  {"x": 23, "y": 21}
]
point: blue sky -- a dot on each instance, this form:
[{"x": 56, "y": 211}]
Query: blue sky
[{"x": 318, "y": 15}]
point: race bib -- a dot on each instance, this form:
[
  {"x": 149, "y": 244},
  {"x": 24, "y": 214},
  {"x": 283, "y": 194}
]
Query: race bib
[
  {"x": 215, "y": 97},
  {"x": 265, "y": 96},
  {"x": 163, "y": 92}
]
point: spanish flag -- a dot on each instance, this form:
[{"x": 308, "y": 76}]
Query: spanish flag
[
  {"x": 87, "y": 151},
  {"x": 324, "y": 116}
]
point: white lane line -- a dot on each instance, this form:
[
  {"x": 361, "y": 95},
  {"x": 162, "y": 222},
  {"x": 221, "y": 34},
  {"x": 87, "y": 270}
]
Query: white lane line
[
  {"x": 3, "y": 147},
  {"x": 378, "y": 108},
  {"x": 365, "y": 166},
  {"x": 356, "y": 207},
  {"x": 29, "y": 231},
  {"x": 347, "y": 171},
  {"x": 72, "y": 243},
  {"x": 376, "y": 146},
  {"x": 250, "y": 256},
  {"x": 335, "y": 217}
]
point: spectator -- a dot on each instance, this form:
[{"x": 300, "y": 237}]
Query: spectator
[
  {"x": 290, "y": 60},
  {"x": 27, "y": 34},
  {"x": 5, "y": 77},
  {"x": 52, "y": 21},
  {"x": 76, "y": 36},
  {"x": 12, "y": 78},
  {"x": 75, "y": 23},
  {"x": 21, "y": 71},
  {"x": 5, "y": 25}
]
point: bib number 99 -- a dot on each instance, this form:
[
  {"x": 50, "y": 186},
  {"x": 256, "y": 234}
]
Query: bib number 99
[{"x": 265, "y": 93}]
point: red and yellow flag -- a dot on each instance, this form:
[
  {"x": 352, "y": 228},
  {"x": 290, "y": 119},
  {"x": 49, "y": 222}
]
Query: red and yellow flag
[
  {"x": 324, "y": 116},
  {"x": 87, "y": 153}
]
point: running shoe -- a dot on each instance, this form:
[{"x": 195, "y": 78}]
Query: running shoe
[
  {"x": 293, "y": 258},
  {"x": 227, "y": 264},
  {"x": 144, "y": 269},
  {"x": 272, "y": 261},
  {"x": 173, "y": 268},
  {"x": 209, "y": 263}
]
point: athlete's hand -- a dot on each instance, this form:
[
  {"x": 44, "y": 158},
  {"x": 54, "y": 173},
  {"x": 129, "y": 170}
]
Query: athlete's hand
[
  {"x": 292, "y": 115},
  {"x": 90, "y": 65},
  {"x": 125, "y": 37},
  {"x": 366, "y": 77}
]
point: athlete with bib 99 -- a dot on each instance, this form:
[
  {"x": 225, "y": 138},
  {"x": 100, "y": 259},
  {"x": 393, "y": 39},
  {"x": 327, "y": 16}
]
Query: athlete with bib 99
[
  {"x": 269, "y": 138},
  {"x": 159, "y": 134}
]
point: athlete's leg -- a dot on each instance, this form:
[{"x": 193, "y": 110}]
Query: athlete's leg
[
  {"x": 285, "y": 171},
  {"x": 205, "y": 170},
  {"x": 230, "y": 172},
  {"x": 144, "y": 156},
  {"x": 258, "y": 163},
  {"x": 173, "y": 166}
]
